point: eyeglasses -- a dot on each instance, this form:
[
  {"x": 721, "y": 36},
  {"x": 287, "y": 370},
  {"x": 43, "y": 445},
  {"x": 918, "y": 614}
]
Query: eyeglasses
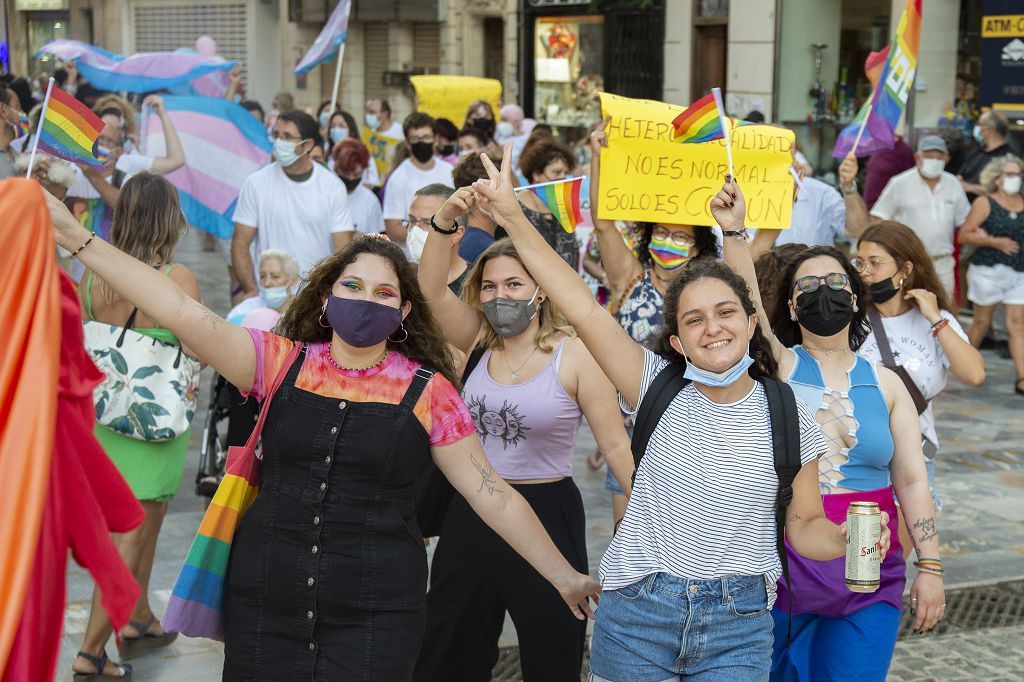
[
  {"x": 285, "y": 138},
  {"x": 678, "y": 237},
  {"x": 811, "y": 283},
  {"x": 425, "y": 138},
  {"x": 422, "y": 223},
  {"x": 863, "y": 265}
]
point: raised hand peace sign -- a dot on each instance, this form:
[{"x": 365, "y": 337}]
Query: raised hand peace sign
[{"x": 498, "y": 191}]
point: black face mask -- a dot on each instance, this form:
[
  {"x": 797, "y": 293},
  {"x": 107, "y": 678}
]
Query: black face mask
[
  {"x": 484, "y": 125},
  {"x": 826, "y": 311},
  {"x": 884, "y": 290},
  {"x": 446, "y": 150},
  {"x": 350, "y": 184},
  {"x": 422, "y": 151}
]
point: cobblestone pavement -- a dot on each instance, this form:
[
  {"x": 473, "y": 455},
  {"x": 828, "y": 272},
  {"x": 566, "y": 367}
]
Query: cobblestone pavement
[{"x": 981, "y": 479}]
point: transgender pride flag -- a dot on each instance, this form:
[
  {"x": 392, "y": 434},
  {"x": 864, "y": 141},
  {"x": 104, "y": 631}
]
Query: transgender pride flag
[
  {"x": 223, "y": 143},
  {"x": 330, "y": 39}
]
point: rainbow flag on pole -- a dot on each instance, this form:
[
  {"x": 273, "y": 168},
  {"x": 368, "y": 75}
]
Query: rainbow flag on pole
[
  {"x": 702, "y": 122},
  {"x": 563, "y": 198},
  {"x": 68, "y": 130}
]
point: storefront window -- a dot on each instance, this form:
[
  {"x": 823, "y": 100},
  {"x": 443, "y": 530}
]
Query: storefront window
[
  {"x": 568, "y": 70},
  {"x": 42, "y": 28}
]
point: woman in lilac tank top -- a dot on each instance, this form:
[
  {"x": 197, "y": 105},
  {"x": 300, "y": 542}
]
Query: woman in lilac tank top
[{"x": 532, "y": 383}]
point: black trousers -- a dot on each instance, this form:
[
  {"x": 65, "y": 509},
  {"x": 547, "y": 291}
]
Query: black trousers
[{"x": 476, "y": 577}]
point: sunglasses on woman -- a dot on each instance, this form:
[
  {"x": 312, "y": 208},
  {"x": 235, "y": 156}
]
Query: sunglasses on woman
[{"x": 811, "y": 283}]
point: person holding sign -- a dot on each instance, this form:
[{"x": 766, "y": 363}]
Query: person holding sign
[
  {"x": 698, "y": 542},
  {"x": 823, "y": 631}
]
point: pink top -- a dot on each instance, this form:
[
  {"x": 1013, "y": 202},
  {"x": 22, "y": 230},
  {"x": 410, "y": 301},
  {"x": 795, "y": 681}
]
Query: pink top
[
  {"x": 528, "y": 430},
  {"x": 440, "y": 409}
]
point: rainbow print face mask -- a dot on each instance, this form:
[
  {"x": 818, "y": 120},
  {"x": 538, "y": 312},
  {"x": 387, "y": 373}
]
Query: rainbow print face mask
[{"x": 669, "y": 254}]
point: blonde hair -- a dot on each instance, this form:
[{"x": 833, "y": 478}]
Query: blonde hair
[
  {"x": 553, "y": 324},
  {"x": 287, "y": 260},
  {"x": 148, "y": 223},
  {"x": 994, "y": 168}
]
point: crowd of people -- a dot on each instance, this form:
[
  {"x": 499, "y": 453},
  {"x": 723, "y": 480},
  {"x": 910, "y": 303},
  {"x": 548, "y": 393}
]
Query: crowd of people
[{"x": 419, "y": 319}]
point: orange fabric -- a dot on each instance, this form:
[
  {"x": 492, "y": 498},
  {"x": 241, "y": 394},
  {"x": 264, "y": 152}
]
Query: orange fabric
[{"x": 30, "y": 333}]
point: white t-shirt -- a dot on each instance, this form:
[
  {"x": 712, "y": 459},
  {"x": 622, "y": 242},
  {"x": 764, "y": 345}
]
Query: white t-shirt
[
  {"x": 366, "y": 211},
  {"x": 932, "y": 215},
  {"x": 405, "y": 180},
  {"x": 703, "y": 503},
  {"x": 128, "y": 163},
  {"x": 297, "y": 217},
  {"x": 819, "y": 216},
  {"x": 394, "y": 130},
  {"x": 920, "y": 353}
]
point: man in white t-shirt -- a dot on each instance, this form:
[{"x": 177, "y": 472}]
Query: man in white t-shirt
[
  {"x": 925, "y": 198},
  {"x": 378, "y": 119},
  {"x": 292, "y": 204},
  {"x": 422, "y": 168}
]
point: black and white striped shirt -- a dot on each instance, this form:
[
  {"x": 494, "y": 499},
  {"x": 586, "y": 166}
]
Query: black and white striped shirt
[{"x": 703, "y": 505}]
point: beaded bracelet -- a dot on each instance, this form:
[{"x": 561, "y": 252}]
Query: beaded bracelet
[
  {"x": 933, "y": 566},
  {"x": 87, "y": 242},
  {"x": 939, "y": 326}
]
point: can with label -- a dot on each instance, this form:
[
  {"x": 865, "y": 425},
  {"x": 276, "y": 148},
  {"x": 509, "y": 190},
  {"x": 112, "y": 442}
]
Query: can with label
[{"x": 863, "y": 533}]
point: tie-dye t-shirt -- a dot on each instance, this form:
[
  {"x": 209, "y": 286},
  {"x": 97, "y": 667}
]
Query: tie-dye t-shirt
[{"x": 440, "y": 409}]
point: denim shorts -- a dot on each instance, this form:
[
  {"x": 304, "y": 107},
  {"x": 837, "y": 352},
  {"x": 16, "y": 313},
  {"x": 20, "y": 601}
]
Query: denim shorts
[{"x": 663, "y": 628}]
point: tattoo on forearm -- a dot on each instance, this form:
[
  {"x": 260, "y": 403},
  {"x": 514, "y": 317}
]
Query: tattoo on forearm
[
  {"x": 923, "y": 530},
  {"x": 794, "y": 517},
  {"x": 487, "y": 478},
  {"x": 209, "y": 317}
]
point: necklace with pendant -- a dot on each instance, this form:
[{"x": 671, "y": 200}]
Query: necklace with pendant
[{"x": 515, "y": 372}]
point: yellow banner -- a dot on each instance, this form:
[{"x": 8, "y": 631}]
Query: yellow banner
[
  {"x": 450, "y": 96},
  {"x": 645, "y": 176},
  {"x": 382, "y": 150},
  {"x": 1004, "y": 26}
]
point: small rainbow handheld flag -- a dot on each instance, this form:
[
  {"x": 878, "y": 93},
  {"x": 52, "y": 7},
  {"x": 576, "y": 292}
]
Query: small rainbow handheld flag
[
  {"x": 563, "y": 198},
  {"x": 69, "y": 130},
  {"x": 24, "y": 126},
  {"x": 702, "y": 122}
]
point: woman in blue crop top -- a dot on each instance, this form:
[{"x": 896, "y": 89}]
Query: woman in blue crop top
[
  {"x": 870, "y": 422},
  {"x": 526, "y": 394}
]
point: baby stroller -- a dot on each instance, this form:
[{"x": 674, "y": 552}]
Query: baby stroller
[{"x": 230, "y": 419}]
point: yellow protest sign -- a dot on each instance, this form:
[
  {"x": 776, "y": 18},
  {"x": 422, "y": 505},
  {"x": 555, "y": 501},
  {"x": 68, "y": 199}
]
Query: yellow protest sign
[
  {"x": 645, "y": 176},
  {"x": 382, "y": 150},
  {"x": 450, "y": 96}
]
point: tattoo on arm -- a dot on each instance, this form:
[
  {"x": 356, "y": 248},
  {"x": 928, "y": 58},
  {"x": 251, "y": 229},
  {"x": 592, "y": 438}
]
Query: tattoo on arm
[
  {"x": 923, "y": 530},
  {"x": 487, "y": 479},
  {"x": 209, "y": 317},
  {"x": 794, "y": 517}
]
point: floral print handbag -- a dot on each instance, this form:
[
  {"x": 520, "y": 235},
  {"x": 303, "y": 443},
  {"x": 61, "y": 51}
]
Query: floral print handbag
[{"x": 151, "y": 387}]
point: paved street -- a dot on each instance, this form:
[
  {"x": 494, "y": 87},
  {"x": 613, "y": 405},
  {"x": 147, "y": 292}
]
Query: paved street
[{"x": 981, "y": 478}]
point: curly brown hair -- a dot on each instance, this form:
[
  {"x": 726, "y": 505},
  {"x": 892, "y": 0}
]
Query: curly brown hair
[
  {"x": 769, "y": 268},
  {"x": 764, "y": 365},
  {"x": 536, "y": 157},
  {"x": 425, "y": 343}
]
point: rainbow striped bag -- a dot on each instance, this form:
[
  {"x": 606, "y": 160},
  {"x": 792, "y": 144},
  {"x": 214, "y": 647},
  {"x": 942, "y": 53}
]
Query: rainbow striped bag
[{"x": 196, "y": 605}]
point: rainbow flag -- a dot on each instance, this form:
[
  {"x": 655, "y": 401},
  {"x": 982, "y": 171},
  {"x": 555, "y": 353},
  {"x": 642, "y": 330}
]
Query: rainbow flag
[
  {"x": 69, "y": 129},
  {"x": 563, "y": 198},
  {"x": 701, "y": 122},
  {"x": 24, "y": 126}
]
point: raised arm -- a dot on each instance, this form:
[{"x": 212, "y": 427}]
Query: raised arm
[
  {"x": 620, "y": 265},
  {"x": 175, "y": 157},
  {"x": 857, "y": 218},
  {"x": 225, "y": 346},
  {"x": 459, "y": 321},
  {"x": 507, "y": 513},
  {"x": 621, "y": 359}
]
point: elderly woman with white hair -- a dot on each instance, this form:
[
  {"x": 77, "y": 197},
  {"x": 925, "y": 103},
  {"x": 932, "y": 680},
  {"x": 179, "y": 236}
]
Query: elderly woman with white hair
[
  {"x": 279, "y": 282},
  {"x": 515, "y": 128}
]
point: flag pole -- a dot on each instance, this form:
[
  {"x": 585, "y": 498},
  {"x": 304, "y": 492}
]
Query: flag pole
[
  {"x": 550, "y": 182},
  {"x": 726, "y": 125},
  {"x": 337, "y": 78},
  {"x": 39, "y": 129},
  {"x": 863, "y": 125}
]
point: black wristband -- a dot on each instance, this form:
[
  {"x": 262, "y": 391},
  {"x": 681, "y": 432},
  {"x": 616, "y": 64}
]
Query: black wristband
[{"x": 454, "y": 228}]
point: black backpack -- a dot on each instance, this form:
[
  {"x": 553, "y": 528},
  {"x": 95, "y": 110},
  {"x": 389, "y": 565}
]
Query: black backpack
[{"x": 785, "y": 443}]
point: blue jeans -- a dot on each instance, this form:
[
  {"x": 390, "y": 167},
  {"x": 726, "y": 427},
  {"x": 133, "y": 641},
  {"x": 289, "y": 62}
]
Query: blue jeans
[{"x": 665, "y": 628}]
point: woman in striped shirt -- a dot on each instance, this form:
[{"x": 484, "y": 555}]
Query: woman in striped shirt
[{"x": 689, "y": 577}]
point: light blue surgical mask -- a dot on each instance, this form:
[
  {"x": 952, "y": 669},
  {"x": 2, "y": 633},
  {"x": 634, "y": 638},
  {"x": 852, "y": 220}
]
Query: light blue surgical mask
[
  {"x": 373, "y": 121},
  {"x": 338, "y": 134},
  {"x": 718, "y": 379},
  {"x": 325, "y": 118},
  {"x": 274, "y": 296},
  {"x": 284, "y": 152}
]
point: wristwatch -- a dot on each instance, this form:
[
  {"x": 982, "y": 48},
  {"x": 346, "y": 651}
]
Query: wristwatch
[
  {"x": 437, "y": 228},
  {"x": 847, "y": 191},
  {"x": 739, "y": 233}
]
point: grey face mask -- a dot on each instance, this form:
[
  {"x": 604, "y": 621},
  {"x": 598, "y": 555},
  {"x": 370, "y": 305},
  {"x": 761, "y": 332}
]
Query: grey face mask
[{"x": 509, "y": 317}]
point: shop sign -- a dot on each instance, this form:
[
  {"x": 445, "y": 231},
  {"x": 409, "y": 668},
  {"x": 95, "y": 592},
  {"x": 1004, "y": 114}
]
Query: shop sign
[{"x": 1002, "y": 54}]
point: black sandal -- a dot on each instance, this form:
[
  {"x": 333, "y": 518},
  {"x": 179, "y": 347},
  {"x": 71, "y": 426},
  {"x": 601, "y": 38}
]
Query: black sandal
[
  {"x": 101, "y": 662},
  {"x": 130, "y": 647}
]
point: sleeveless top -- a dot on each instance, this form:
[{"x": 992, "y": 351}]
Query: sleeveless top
[
  {"x": 157, "y": 332},
  {"x": 1000, "y": 224},
  {"x": 640, "y": 312},
  {"x": 867, "y": 463},
  {"x": 528, "y": 430}
]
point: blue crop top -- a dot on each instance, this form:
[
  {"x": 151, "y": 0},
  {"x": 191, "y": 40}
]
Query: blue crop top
[{"x": 867, "y": 463}]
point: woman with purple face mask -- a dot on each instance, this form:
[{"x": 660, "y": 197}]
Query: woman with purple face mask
[{"x": 327, "y": 575}]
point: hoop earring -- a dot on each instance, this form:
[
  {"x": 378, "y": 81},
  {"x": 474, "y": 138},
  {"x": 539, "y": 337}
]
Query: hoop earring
[
  {"x": 401, "y": 326},
  {"x": 321, "y": 319}
]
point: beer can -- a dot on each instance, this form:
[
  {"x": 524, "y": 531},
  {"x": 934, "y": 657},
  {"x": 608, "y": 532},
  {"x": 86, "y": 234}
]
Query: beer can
[{"x": 863, "y": 533}]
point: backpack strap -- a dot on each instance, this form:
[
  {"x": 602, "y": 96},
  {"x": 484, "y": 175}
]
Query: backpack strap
[
  {"x": 882, "y": 339},
  {"x": 785, "y": 424},
  {"x": 662, "y": 391},
  {"x": 471, "y": 362}
]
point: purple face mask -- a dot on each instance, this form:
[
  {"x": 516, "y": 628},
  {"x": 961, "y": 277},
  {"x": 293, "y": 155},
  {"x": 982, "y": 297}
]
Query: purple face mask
[{"x": 362, "y": 323}]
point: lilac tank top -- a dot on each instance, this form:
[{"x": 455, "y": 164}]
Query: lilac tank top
[{"x": 528, "y": 430}]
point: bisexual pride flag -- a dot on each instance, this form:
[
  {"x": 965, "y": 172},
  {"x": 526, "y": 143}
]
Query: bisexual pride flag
[
  {"x": 223, "y": 144},
  {"x": 562, "y": 197}
]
